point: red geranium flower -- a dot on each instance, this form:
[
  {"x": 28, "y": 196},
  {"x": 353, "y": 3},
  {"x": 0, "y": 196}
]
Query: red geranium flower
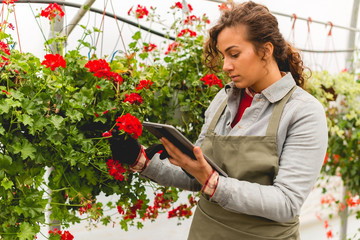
[
  {"x": 116, "y": 77},
  {"x": 190, "y": 8},
  {"x": 141, "y": 11},
  {"x": 144, "y": 84},
  {"x": 181, "y": 211},
  {"x": 184, "y": 31},
  {"x": 99, "y": 67},
  {"x": 130, "y": 124},
  {"x": 120, "y": 210},
  {"x": 54, "y": 61},
  {"x": 107, "y": 134},
  {"x": 9, "y": 1},
  {"x": 205, "y": 19},
  {"x": 115, "y": 169},
  {"x": 4, "y": 47},
  {"x": 223, "y": 7},
  {"x": 172, "y": 47},
  {"x": 133, "y": 98},
  {"x": 149, "y": 47},
  {"x": 66, "y": 235},
  {"x": 177, "y": 5},
  {"x": 52, "y": 11},
  {"x": 190, "y": 19},
  {"x": 211, "y": 79}
]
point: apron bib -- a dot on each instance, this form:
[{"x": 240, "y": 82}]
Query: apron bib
[{"x": 247, "y": 158}]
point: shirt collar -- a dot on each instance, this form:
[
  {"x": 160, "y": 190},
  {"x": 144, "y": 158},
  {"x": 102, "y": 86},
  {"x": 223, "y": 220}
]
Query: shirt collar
[
  {"x": 279, "y": 89},
  {"x": 273, "y": 93}
]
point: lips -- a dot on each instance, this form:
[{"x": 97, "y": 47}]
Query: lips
[{"x": 234, "y": 77}]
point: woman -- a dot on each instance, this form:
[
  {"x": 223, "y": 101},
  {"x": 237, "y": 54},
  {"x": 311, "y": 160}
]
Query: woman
[{"x": 262, "y": 129}]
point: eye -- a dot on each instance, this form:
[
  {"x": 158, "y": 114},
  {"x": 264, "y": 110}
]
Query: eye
[{"x": 234, "y": 55}]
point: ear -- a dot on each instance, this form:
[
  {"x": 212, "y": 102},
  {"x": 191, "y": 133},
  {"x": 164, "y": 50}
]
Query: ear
[{"x": 268, "y": 50}]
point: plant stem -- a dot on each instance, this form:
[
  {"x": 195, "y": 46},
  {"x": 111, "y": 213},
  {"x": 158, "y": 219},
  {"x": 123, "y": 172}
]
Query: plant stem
[{"x": 42, "y": 88}]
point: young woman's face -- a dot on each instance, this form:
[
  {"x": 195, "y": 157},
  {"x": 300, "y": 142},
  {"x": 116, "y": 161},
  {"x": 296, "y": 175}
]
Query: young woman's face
[{"x": 244, "y": 66}]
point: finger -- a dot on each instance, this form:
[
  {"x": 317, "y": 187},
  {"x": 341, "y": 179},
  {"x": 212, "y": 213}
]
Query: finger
[
  {"x": 171, "y": 148},
  {"x": 199, "y": 155}
]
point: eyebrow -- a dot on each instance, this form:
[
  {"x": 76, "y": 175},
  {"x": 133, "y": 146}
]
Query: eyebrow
[{"x": 229, "y": 48}]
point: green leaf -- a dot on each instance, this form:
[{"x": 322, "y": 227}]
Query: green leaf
[
  {"x": 27, "y": 231},
  {"x": 6, "y": 183},
  {"x": 26, "y": 149},
  {"x": 26, "y": 119},
  {"x": 57, "y": 121},
  {"x": 74, "y": 115},
  {"x": 5, "y": 161},
  {"x": 17, "y": 95},
  {"x": 4, "y": 107},
  {"x": 2, "y": 130},
  {"x": 137, "y": 35},
  {"x": 132, "y": 44}
]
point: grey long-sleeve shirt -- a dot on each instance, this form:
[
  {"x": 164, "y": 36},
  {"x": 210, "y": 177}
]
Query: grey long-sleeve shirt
[{"x": 301, "y": 140}]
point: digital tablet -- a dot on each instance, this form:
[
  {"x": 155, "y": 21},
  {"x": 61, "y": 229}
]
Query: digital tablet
[{"x": 178, "y": 139}]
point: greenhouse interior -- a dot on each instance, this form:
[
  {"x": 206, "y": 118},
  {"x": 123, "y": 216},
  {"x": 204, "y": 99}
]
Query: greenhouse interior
[{"x": 80, "y": 76}]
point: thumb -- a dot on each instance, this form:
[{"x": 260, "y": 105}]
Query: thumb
[{"x": 198, "y": 154}]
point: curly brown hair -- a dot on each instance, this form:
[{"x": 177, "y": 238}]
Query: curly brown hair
[{"x": 262, "y": 27}]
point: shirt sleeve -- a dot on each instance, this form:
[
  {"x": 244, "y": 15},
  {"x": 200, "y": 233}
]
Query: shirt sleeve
[
  {"x": 300, "y": 162},
  {"x": 167, "y": 174}
]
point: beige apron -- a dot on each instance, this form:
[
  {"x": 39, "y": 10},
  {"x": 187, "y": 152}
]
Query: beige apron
[{"x": 250, "y": 158}]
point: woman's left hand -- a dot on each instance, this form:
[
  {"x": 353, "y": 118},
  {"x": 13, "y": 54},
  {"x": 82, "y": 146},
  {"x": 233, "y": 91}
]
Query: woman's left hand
[{"x": 199, "y": 167}]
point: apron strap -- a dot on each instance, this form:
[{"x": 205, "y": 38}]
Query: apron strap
[
  {"x": 276, "y": 114},
  {"x": 216, "y": 117}
]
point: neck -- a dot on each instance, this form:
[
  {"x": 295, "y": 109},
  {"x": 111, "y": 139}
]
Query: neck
[{"x": 272, "y": 75}]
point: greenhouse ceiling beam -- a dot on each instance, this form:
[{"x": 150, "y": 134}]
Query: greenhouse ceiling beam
[
  {"x": 301, "y": 18},
  {"x": 76, "y": 5}
]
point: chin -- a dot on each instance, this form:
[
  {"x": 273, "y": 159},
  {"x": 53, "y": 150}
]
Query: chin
[{"x": 240, "y": 85}]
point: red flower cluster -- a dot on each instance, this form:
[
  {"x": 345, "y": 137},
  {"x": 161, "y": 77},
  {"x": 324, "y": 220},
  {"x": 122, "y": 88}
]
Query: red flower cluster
[
  {"x": 83, "y": 209},
  {"x": 133, "y": 98},
  {"x": 179, "y": 5},
  {"x": 140, "y": 11},
  {"x": 353, "y": 201},
  {"x": 185, "y": 31},
  {"x": 223, "y": 7},
  {"x": 211, "y": 79},
  {"x": 7, "y": 2},
  {"x": 181, "y": 211},
  {"x": 149, "y": 47},
  {"x": 172, "y": 47},
  {"x": 101, "y": 69},
  {"x": 4, "y": 47},
  {"x": 52, "y": 11},
  {"x": 66, "y": 235},
  {"x": 130, "y": 124},
  {"x": 327, "y": 199},
  {"x": 131, "y": 213},
  {"x": 144, "y": 84},
  {"x": 205, "y": 18},
  {"x": 6, "y": 24},
  {"x": 160, "y": 203},
  {"x": 190, "y": 19},
  {"x": 54, "y": 61},
  {"x": 115, "y": 169}
]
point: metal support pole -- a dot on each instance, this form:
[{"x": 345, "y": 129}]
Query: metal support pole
[
  {"x": 352, "y": 35},
  {"x": 76, "y": 19},
  {"x": 344, "y": 215}
]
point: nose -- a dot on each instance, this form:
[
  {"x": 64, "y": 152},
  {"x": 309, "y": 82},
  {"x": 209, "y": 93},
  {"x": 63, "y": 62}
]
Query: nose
[{"x": 228, "y": 66}]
